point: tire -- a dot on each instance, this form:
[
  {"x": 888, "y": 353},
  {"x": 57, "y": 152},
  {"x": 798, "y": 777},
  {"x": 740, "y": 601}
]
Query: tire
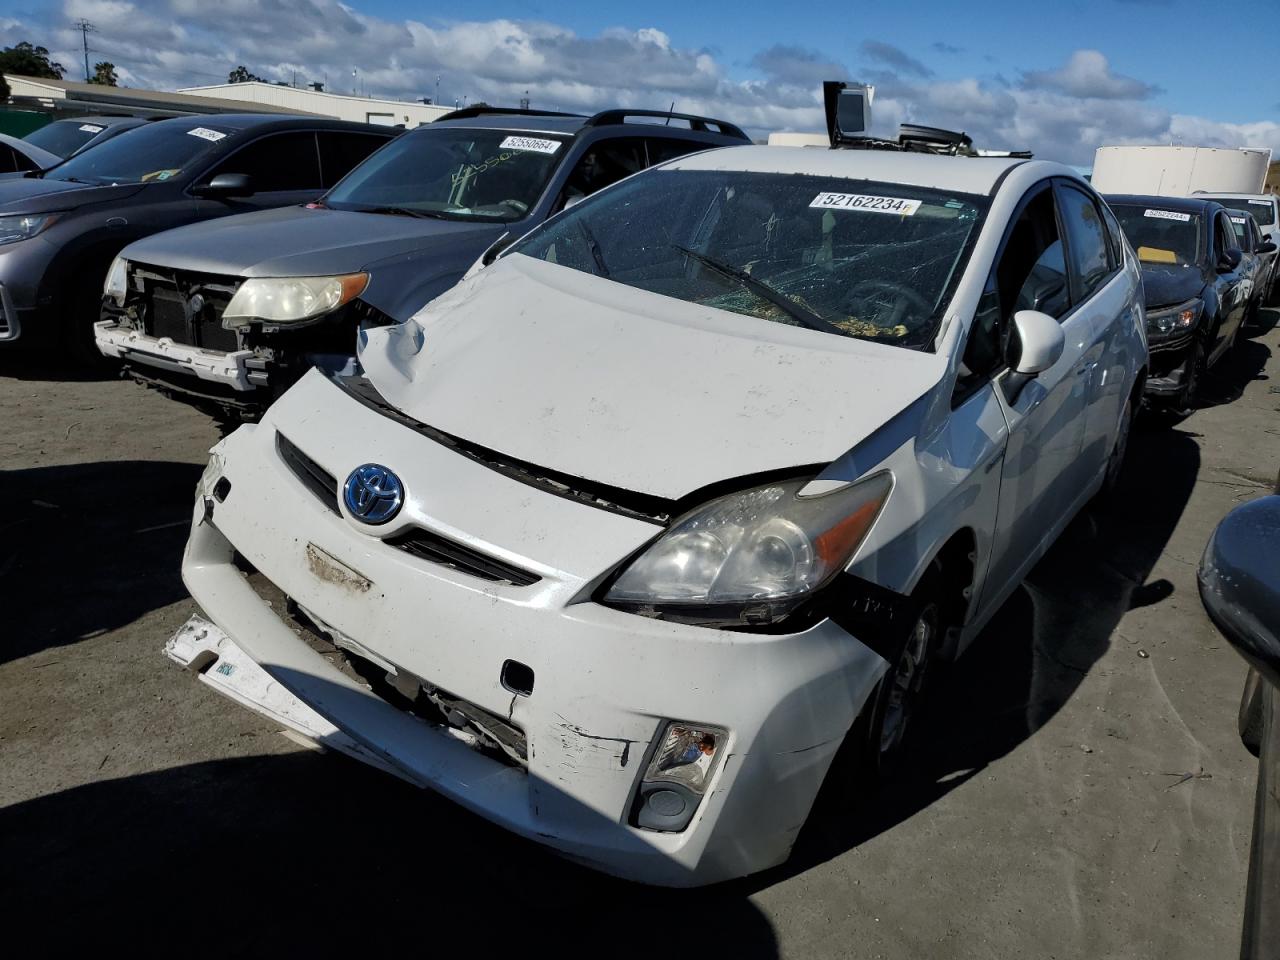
[
  {"x": 1189, "y": 397},
  {"x": 75, "y": 339},
  {"x": 876, "y": 743},
  {"x": 1250, "y": 720}
]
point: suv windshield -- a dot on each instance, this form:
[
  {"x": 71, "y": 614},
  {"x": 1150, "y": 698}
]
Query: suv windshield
[
  {"x": 157, "y": 151},
  {"x": 1160, "y": 235},
  {"x": 874, "y": 261},
  {"x": 64, "y": 137},
  {"x": 1263, "y": 211},
  {"x": 455, "y": 174}
]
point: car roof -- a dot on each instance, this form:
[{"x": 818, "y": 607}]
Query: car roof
[
  {"x": 973, "y": 175},
  {"x": 1208, "y": 195},
  {"x": 103, "y": 121},
  {"x": 251, "y": 121},
  {"x": 1180, "y": 204}
]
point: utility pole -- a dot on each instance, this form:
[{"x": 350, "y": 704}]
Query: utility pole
[
  {"x": 437, "y": 99},
  {"x": 85, "y": 28}
]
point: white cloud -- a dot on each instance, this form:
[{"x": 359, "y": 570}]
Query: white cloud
[{"x": 1061, "y": 114}]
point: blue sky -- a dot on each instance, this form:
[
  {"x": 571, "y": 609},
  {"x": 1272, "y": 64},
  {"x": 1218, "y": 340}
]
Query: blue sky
[
  {"x": 1059, "y": 79},
  {"x": 1161, "y": 42}
]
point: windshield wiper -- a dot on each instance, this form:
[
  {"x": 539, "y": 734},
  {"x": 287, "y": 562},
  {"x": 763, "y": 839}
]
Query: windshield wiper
[
  {"x": 409, "y": 212},
  {"x": 594, "y": 247},
  {"x": 790, "y": 307}
]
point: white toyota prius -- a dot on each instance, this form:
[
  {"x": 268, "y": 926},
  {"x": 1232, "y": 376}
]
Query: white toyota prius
[{"x": 658, "y": 519}]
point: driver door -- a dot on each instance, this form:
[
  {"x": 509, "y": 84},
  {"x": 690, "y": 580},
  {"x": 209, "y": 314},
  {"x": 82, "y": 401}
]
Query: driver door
[{"x": 1046, "y": 419}]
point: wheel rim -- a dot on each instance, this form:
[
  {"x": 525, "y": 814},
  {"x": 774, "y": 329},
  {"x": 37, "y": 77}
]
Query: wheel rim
[
  {"x": 1192, "y": 388},
  {"x": 906, "y": 683}
]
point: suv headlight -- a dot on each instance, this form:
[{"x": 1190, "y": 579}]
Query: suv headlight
[
  {"x": 290, "y": 299},
  {"x": 24, "y": 227},
  {"x": 117, "y": 285},
  {"x": 750, "y": 558},
  {"x": 1170, "y": 321}
]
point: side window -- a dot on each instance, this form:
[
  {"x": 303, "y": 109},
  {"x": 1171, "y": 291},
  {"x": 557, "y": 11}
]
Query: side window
[
  {"x": 340, "y": 152},
  {"x": 661, "y": 151},
  {"x": 1086, "y": 240},
  {"x": 1226, "y": 236},
  {"x": 20, "y": 161},
  {"x": 9, "y": 160},
  {"x": 1116, "y": 235},
  {"x": 604, "y": 163},
  {"x": 281, "y": 161},
  {"x": 1031, "y": 274}
]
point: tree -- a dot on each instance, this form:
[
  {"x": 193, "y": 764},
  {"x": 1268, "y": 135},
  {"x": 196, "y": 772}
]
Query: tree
[
  {"x": 104, "y": 73},
  {"x": 4, "y": 90},
  {"x": 241, "y": 75},
  {"x": 28, "y": 61}
]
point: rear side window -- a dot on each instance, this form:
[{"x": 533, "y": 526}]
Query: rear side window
[
  {"x": 279, "y": 161},
  {"x": 10, "y": 162},
  {"x": 341, "y": 152},
  {"x": 1086, "y": 240},
  {"x": 661, "y": 151}
]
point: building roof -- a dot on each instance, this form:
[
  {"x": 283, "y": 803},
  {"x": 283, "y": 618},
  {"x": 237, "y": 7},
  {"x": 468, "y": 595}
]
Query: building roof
[
  {"x": 973, "y": 175},
  {"x": 126, "y": 97}
]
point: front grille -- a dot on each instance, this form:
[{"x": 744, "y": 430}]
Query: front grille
[
  {"x": 456, "y": 556},
  {"x": 418, "y": 542},
  {"x": 170, "y": 308},
  {"x": 313, "y": 476}
]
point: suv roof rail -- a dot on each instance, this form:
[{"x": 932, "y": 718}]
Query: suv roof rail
[
  {"x": 467, "y": 112},
  {"x": 606, "y": 117}
]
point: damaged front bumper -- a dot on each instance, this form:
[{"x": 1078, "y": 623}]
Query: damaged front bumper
[
  {"x": 607, "y": 682},
  {"x": 236, "y": 370}
]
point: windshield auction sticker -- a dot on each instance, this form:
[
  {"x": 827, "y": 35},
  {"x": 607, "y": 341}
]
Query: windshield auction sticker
[
  {"x": 204, "y": 133},
  {"x": 858, "y": 201},
  {"x": 90, "y": 128},
  {"x": 1167, "y": 215},
  {"x": 530, "y": 143}
]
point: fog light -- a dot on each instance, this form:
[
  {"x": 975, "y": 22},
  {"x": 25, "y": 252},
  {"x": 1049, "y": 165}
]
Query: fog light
[{"x": 677, "y": 776}]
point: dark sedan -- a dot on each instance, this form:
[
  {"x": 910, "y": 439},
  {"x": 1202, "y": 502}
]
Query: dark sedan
[
  {"x": 59, "y": 231},
  {"x": 1193, "y": 272}
]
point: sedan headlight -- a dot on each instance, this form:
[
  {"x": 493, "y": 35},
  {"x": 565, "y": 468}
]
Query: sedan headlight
[
  {"x": 13, "y": 229},
  {"x": 1170, "y": 321},
  {"x": 117, "y": 285},
  {"x": 750, "y": 558},
  {"x": 290, "y": 299}
]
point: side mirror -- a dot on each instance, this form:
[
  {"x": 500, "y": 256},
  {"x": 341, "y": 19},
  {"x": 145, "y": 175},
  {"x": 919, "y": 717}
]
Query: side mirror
[
  {"x": 1035, "y": 344},
  {"x": 1267, "y": 246},
  {"x": 1240, "y": 583},
  {"x": 1231, "y": 258},
  {"x": 225, "y": 186}
]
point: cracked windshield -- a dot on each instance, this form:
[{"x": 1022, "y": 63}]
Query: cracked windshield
[
  {"x": 458, "y": 174},
  {"x": 858, "y": 259}
]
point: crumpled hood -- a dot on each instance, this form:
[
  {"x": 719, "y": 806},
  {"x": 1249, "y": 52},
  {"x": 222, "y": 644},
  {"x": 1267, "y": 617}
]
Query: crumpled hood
[
  {"x": 38, "y": 195},
  {"x": 602, "y": 381},
  {"x": 304, "y": 242},
  {"x": 1166, "y": 286}
]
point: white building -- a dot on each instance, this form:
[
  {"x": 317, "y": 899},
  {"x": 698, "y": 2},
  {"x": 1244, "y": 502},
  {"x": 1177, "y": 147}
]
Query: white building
[{"x": 342, "y": 106}]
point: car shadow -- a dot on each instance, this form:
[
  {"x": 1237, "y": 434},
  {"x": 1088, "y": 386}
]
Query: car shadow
[
  {"x": 1226, "y": 380},
  {"x": 1264, "y": 322},
  {"x": 300, "y": 855},
  {"x": 1031, "y": 658},
  {"x": 87, "y": 548}
]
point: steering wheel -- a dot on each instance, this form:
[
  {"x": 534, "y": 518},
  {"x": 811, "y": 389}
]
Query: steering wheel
[
  {"x": 519, "y": 206},
  {"x": 904, "y": 298}
]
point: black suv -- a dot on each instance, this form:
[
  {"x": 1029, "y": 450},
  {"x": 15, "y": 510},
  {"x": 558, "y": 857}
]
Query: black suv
[
  {"x": 229, "y": 314},
  {"x": 60, "y": 230}
]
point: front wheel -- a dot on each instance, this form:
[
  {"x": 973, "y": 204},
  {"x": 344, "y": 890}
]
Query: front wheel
[
  {"x": 875, "y": 745},
  {"x": 1189, "y": 396}
]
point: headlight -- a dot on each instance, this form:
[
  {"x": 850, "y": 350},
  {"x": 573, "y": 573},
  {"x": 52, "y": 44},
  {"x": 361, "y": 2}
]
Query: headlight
[
  {"x": 117, "y": 285},
  {"x": 13, "y": 229},
  {"x": 1168, "y": 321},
  {"x": 751, "y": 557},
  {"x": 291, "y": 299}
]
